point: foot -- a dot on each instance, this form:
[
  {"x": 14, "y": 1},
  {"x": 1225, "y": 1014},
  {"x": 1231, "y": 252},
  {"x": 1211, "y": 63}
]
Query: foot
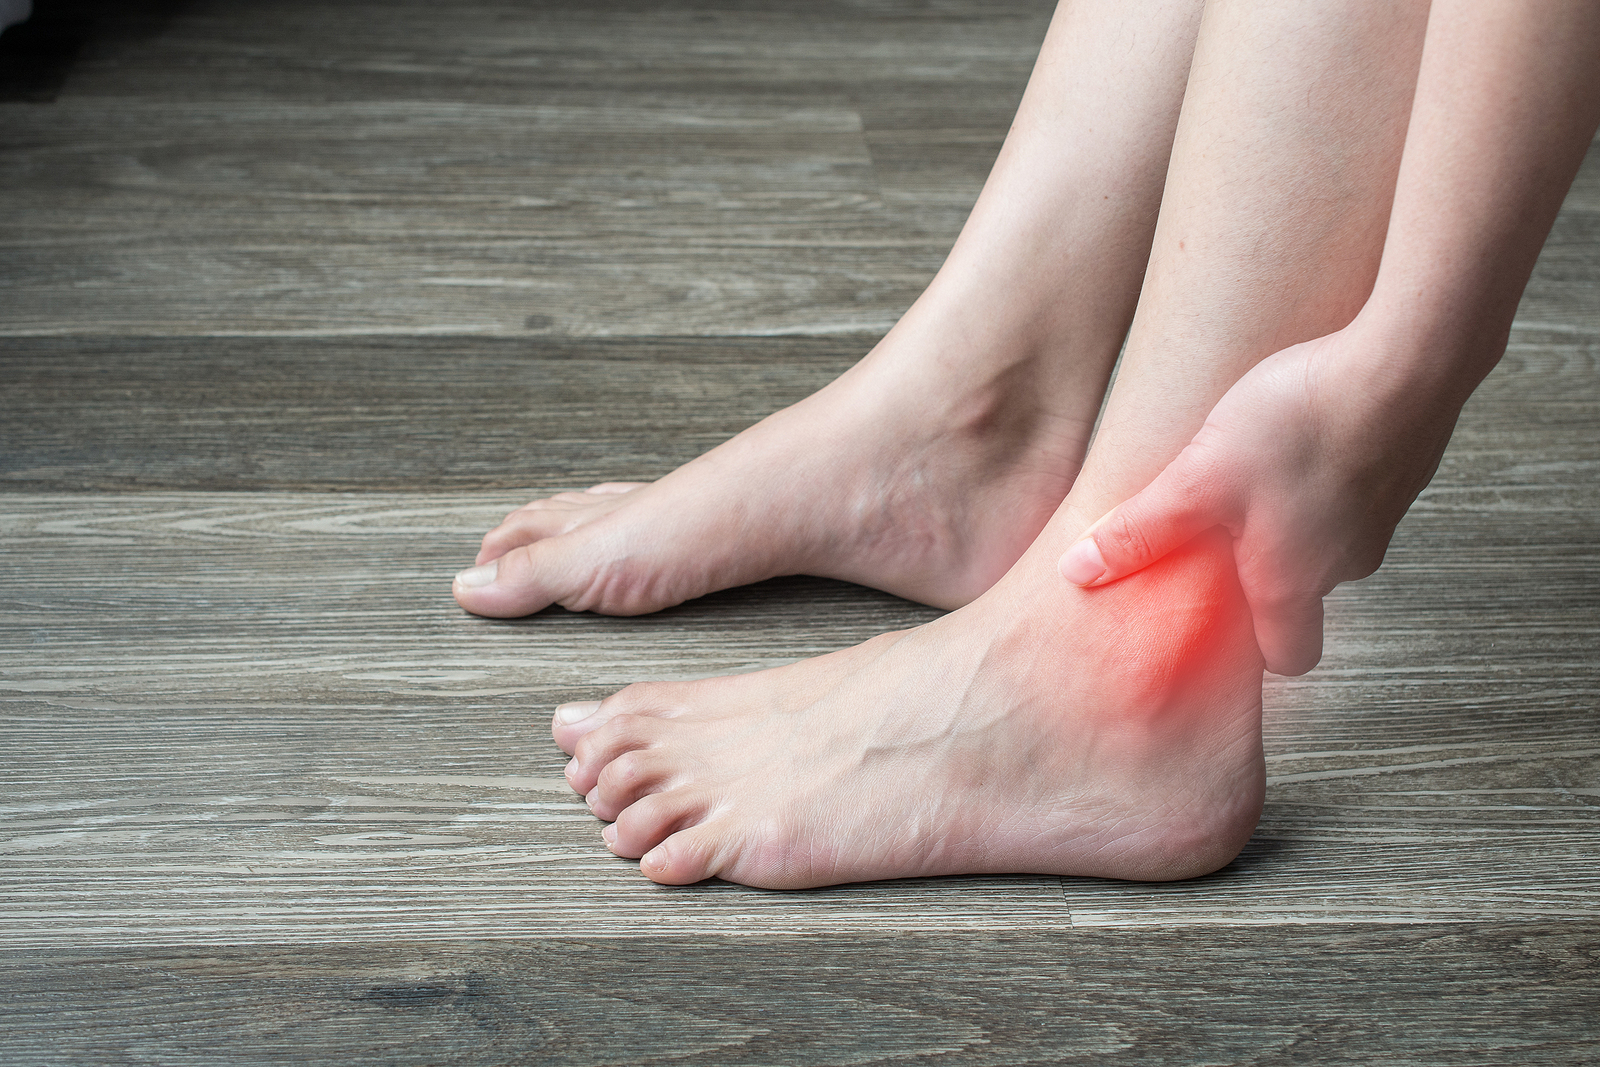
[
  {"x": 1113, "y": 732},
  {"x": 926, "y": 470}
]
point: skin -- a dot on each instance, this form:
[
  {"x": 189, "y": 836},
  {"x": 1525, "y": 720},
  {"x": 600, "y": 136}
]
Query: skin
[
  {"x": 1313, "y": 457},
  {"x": 1044, "y": 727},
  {"x": 957, "y": 437}
]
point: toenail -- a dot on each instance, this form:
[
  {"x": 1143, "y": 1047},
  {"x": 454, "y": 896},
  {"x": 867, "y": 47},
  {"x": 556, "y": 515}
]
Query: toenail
[
  {"x": 656, "y": 859},
  {"x": 610, "y": 833},
  {"x": 577, "y": 711},
  {"x": 473, "y": 577}
]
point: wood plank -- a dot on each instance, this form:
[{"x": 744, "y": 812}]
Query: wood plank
[
  {"x": 600, "y": 171},
  {"x": 504, "y": 52},
  {"x": 291, "y": 757},
  {"x": 394, "y": 413},
  {"x": 459, "y": 413},
  {"x": 1470, "y": 994},
  {"x": 126, "y": 217},
  {"x": 139, "y": 217}
]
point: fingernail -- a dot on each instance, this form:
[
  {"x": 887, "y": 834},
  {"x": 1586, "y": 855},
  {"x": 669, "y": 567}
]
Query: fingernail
[
  {"x": 473, "y": 577},
  {"x": 577, "y": 711},
  {"x": 1082, "y": 563}
]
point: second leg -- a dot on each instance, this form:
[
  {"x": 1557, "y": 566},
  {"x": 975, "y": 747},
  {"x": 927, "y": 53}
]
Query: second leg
[{"x": 930, "y": 466}]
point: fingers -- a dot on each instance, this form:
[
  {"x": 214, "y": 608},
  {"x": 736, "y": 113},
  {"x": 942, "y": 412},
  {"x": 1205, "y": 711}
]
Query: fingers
[
  {"x": 1288, "y": 632},
  {"x": 1169, "y": 512}
]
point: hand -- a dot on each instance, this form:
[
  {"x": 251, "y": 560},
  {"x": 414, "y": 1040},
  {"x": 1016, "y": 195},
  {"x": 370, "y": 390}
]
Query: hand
[{"x": 1310, "y": 461}]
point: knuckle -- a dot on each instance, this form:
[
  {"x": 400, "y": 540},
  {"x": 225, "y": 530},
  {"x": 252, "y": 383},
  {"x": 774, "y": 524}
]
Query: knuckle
[
  {"x": 627, "y": 698},
  {"x": 624, "y": 770},
  {"x": 636, "y": 699},
  {"x": 1277, "y": 595},
  {"x": 1126, "y": 538},
  {"x": 616, "y": 733},
  {"x": 617, "y": 587},
  {"x": 1204, "y": 469}
]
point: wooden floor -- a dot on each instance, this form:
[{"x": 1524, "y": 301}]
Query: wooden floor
[{"x": 297, "y": 298}]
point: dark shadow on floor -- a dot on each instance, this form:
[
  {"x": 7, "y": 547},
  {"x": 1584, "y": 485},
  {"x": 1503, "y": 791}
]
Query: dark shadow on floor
[{"x": 37, "y": 56}]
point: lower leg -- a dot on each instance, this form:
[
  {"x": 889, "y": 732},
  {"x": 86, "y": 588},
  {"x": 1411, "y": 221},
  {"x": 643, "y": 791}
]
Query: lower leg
[
  {"x": 1273, "y": 221},
  {"x": 1044, "y": 727},
  {"x": 928, "y": 468}
]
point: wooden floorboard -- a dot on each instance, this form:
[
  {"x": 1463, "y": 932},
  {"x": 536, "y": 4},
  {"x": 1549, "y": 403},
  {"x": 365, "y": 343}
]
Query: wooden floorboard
[
  {"x": 390, "y": 413},
  {"x": 299, "y": 298},
  {"x": 454, "y": 413},
  {"x": 1481, "y": 993},
  {"x": 497, "y": 165}
]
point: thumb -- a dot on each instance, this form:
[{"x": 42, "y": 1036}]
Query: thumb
[{"x": 1164, "y": 515}]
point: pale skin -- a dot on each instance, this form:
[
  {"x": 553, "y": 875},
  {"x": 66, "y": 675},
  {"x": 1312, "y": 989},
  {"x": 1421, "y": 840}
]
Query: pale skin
[
  {"x": 1313, "y": 457},
  {"x": 1045, "y": 727},
  {"x": 959, "y": 435}
]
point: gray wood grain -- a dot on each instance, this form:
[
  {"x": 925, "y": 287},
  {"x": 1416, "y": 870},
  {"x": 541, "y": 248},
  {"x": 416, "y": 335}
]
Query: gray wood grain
[
  {"x": 386, "y": 413},
  {"x": 465, "y": 218},
  {"x": 501, "y": 52},
  {"x": 604, "y": 170},
  {"x": 1452, "y": 994},
  {"x": 455, "y": 413}
]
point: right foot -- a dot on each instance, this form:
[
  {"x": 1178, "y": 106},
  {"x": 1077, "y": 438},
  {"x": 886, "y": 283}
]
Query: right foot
[
  {"x": 1043, "y": 729},
  {"x": 925, "y": 470}
]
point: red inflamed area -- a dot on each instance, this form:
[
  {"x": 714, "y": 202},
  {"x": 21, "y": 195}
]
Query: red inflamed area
[{"x": 1175, "y": 638}]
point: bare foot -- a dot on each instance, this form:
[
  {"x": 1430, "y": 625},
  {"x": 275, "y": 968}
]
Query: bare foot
[
  {"x": 1113, "y": 732},
  {"x": 925, "y": 470}
]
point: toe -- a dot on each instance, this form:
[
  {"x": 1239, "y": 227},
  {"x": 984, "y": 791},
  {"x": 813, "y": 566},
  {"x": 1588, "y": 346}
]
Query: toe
[
  {"x": 550, "y": 517},
  {"x": 626, "y": 779},
  {"x": 515, "y": 584},
  {"x": 615, "y": 488},
  {"x": 624, "y": 733},
  {"x": 648, "y": 821},
  {"x": 685, "y": 857},
  {"x": 572, "y": 722},
  {"x": 602, "y": 567}
]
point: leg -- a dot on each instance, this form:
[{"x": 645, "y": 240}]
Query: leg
[
  {"x": 1112, "y": 732},
  {"x": 929, "y": 467}
]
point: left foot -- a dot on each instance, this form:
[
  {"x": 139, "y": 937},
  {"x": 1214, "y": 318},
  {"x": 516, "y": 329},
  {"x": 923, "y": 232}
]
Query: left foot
[
  {"x": 1113, "y": 732},
  {"x": 925, "y": 470}
]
